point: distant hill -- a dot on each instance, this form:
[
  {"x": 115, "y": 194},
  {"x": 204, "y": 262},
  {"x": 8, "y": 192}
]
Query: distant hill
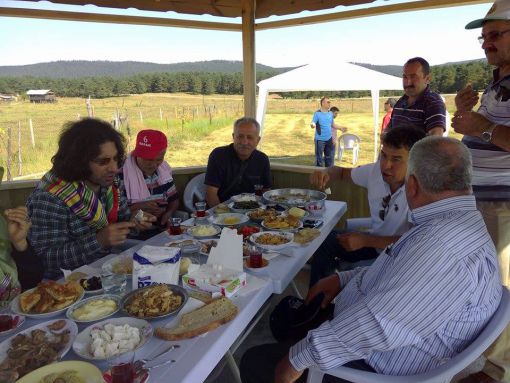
[
  {"x": 393, "y": 70},
  {"x": 396, "y": 70},
  {"x": 78, "y": 69}
]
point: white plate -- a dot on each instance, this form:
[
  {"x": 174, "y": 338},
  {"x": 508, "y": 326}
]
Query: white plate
[
  {"x": 286, "y": 235},
  {"x": 83, "y": 340},
  {"x": 87, "y": 372},
  {"x": 290, "y": 229},
  {"x": 244, "y": 197},
  {"x": 187, "y": 246},
  {"x": 109, "y": 265},
  {"x": 15, "y": 308},
  {"x": 220, "y": 219},
  {"x": 204, "y": 241},
  {"x": 18, "y": 322},
  {"x": 69, "y": 312},
  {"x": 265, "y": 263},
  {"x": 69, "y": 325},
  {"x": 194, "y": 215},
  {"x": 307, "y": 213},
  {"x": 192, "y": 229},
  {"x": 242, "y": 211}
]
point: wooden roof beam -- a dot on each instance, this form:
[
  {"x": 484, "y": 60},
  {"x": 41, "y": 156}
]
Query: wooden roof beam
[
  {"x": 367, "y": 12},
  {"x": 117, "y": 19}
]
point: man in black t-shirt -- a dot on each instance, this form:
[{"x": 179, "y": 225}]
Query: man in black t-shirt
[{"x": 238, "y": 167}]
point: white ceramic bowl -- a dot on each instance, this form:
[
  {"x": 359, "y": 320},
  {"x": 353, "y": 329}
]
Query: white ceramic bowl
[
  {"x": 81, "y": 345},
  {"x": 287, "y": 236},
  {"x": 70, "y": 311},
  {"x": 222, "y": 219},
  {"x": 194, "y": 231}
]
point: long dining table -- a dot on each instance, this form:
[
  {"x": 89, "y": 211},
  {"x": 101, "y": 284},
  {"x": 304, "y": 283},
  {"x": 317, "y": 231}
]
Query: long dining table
[{"x": 195, "y": 358}]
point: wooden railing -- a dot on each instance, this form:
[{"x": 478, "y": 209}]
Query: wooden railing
[{"x": 15, "y": 193}]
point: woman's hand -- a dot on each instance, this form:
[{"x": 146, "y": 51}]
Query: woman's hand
[{"x": 18, "y": 225}]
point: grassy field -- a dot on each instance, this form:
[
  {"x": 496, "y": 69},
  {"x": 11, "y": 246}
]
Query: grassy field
[{"x": 194, "y": 125}]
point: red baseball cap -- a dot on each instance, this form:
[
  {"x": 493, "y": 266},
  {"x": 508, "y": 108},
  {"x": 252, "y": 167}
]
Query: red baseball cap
[{"x": 149, "y": 143}]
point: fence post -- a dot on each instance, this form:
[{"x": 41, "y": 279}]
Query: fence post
[
  {"x": 90, "y": 112},
  {"x": 160, "y": 114},
  {"x": 9, "y": 153},
  {"x": 141, "y": 117},
  {"x": 31, "y": 132},
  {"x": 19, "y": 149}
]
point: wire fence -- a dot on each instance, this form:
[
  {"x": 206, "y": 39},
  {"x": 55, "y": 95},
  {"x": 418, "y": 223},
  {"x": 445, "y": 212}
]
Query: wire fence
[{"x": 29, "y": 133}]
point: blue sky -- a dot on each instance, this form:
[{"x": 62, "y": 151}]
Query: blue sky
[{"x": 437, "y": 35}]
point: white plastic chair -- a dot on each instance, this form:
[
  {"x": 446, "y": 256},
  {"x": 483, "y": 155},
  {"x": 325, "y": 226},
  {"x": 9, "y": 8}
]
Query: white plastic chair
[
  {"x": 349, "y": 141},
  {"x": 194, "y": 190},
  {"x": 443, "y": 373},
  {"x": 359, "y": 224}
]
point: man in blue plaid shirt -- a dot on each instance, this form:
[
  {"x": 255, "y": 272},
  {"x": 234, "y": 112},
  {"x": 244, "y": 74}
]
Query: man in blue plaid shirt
[{"x": 77, "y": 211}]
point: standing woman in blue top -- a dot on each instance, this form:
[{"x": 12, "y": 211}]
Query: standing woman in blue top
[{"x": 322, "y": 122}]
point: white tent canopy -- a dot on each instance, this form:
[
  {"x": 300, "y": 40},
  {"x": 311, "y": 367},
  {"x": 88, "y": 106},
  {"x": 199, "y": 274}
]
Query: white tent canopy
[{"x": 329, "y": 77}]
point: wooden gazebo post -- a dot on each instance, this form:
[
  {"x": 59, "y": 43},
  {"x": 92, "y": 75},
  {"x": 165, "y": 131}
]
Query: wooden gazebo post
[{"x": 249, "y": 68}]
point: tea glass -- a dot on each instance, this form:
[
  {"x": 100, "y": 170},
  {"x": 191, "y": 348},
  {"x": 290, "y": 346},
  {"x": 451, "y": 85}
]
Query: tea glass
[
  {"x": 114, "y": 283},
  {"x": 174, "y": 226},
  {"x": 201, "y": 208},
  {"x": 122, "y": 367},
  {"x": 258, "y": 189}
]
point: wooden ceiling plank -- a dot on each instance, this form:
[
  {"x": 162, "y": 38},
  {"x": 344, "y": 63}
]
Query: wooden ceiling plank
[
  {"x": 367, "y": 12},
  {"x": 116, "y": 19},
  {"x": 223, "y": 8},
  {"x": 288, "y": 7}
]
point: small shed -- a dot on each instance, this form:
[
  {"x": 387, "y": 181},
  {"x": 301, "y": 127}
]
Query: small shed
[
  {"x": 7, "y": 97},
  {"x": 41, "y": 95}
]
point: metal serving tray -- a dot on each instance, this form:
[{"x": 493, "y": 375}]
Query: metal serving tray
[{"x": 293, "y": 196}]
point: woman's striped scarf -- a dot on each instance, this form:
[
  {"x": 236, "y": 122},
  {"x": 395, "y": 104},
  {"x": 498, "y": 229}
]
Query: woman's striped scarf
[{"x": 83, "y": 201}]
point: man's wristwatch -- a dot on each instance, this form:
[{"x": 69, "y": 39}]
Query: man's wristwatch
[{"x": 487, "y": 135}]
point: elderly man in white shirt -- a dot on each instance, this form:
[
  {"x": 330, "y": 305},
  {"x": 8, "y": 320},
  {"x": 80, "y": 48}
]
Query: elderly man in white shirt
[
  {"x": 425, "y": 298},
  {"x": 384, "y": 181}
]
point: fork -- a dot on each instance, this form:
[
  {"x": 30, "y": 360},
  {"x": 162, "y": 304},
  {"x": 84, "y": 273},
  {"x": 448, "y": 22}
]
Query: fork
[
  {"x": 4, "y": 284},
  {"x": 140, "y": 364}
]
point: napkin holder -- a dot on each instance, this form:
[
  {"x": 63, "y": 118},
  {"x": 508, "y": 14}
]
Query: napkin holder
[{"x": 223, "y": 272}]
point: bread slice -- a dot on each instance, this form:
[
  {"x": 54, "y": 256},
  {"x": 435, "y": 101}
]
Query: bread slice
[
  {"x": 28, "y": 300},
  {"x": 201, "y": 320}
]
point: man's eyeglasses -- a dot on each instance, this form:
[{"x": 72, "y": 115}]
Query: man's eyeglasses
[
  {"x": 385, "y": 207},
  {"x": 492, "y": 36}
]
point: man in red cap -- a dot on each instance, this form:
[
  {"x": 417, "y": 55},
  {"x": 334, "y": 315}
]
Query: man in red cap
[{"x": 146, "y": 178}]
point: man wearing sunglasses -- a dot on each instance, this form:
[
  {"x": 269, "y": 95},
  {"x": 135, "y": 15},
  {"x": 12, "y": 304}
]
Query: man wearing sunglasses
[
  {"x": 384, "y": 181},
  {"x": 487, "y": 135}
]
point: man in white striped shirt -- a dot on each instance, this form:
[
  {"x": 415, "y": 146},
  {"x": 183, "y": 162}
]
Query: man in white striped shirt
[
  {"x": 423, "y": 300},
  {"x": 487, "y": 135}
]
